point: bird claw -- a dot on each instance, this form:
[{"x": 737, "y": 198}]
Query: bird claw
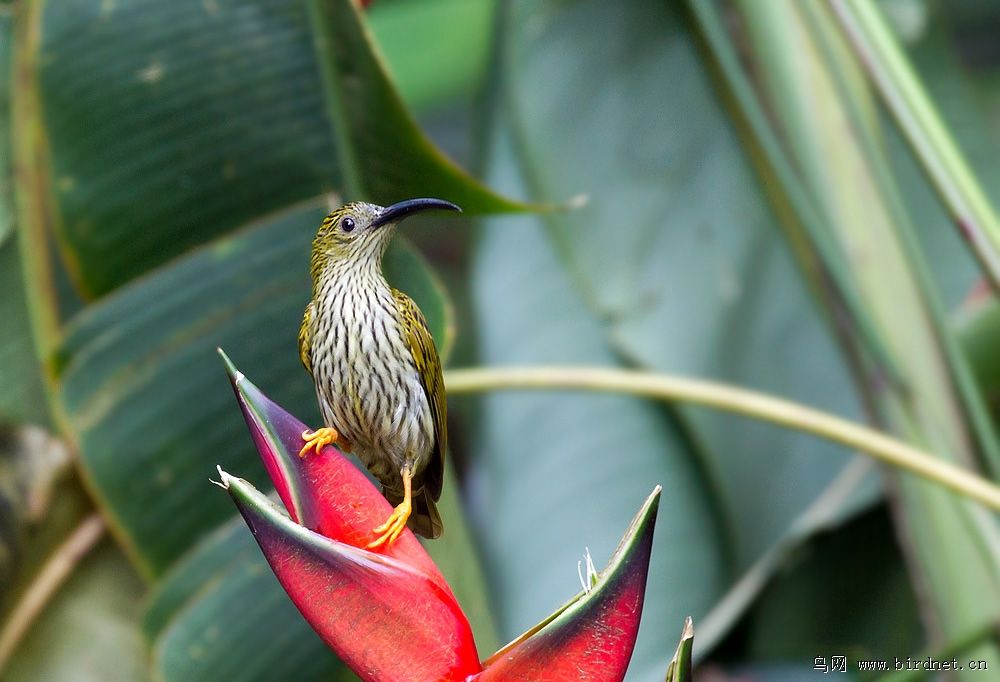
[
  {"x": 318, "y": 439},
  {"x": 390, "y": 531}
]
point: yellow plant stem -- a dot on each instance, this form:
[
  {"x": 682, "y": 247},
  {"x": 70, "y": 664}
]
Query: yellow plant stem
[{"x": 731, "y": 399}]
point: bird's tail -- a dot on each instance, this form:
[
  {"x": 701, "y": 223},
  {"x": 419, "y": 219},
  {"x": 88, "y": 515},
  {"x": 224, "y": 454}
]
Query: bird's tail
[{"x": 424, "y": 519}]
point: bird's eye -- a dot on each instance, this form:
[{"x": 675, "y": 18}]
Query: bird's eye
[{"x": 347, "y": 224}]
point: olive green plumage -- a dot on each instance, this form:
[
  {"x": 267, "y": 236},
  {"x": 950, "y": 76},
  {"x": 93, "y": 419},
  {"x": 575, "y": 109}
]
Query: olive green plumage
[{"x": 377, "y": 372}]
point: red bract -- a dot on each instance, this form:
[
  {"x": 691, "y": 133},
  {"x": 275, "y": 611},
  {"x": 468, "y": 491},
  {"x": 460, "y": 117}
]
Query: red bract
[
  {"x": 590, "y": 639},
  {"x": 389, "y": 614},
  {"x": 383, "y": 618}
]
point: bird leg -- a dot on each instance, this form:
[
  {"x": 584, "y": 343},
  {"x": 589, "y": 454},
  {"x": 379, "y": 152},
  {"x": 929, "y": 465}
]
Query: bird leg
[
  {"x": 318, "y": 439},
  {"x": 389, "y": 531}
]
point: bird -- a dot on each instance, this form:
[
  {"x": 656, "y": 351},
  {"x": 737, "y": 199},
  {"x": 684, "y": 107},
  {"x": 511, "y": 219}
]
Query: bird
[{"x": 376, "y": 369}]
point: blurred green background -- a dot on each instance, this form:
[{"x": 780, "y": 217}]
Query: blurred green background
[{"x": 754, "y": 215}]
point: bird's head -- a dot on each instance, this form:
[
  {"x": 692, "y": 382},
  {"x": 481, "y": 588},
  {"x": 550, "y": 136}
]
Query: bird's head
[{"x": 359, "y": 232}]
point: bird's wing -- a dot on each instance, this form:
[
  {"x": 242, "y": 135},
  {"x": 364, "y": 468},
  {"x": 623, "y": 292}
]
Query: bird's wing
[
  {"x": 305, "y": 338},
  {"x": 425, "y": 357}
]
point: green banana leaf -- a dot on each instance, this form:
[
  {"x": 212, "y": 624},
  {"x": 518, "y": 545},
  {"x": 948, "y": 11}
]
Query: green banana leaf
[{"x": 168, "y": 124}]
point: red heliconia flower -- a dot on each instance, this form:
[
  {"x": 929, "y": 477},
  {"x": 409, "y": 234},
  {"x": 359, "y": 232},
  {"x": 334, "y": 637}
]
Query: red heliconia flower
[{"x": 389, "y": 614}]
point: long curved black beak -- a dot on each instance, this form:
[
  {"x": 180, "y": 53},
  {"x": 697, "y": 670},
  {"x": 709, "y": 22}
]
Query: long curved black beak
[{"x": 398, "y": 211}]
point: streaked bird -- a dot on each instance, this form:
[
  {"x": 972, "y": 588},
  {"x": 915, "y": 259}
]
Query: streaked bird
[{"x": 377, "y": 372}]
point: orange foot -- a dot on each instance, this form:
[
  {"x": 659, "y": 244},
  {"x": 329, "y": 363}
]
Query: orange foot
[
  {"x": 389, "y": 531},
  {"x": 318, "y": 439}
]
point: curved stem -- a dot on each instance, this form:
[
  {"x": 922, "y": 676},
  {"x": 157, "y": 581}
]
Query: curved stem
[
  {"x": 732, "y": 399},
  {"x": 50, "y": 578}
]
